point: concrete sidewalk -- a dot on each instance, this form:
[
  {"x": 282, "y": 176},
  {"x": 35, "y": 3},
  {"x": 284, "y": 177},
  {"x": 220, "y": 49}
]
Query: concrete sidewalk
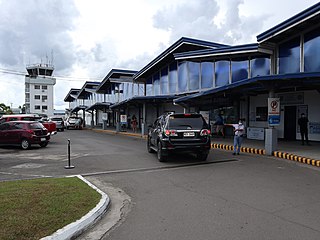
[{"x": 290, "y": 150}]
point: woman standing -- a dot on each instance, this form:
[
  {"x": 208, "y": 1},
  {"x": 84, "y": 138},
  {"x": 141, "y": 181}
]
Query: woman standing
[{"x": 134, "y": 123}]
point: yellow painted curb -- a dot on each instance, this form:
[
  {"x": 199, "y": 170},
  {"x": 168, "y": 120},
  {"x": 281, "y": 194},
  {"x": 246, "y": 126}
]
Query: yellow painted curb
[
  {"x": 297, "y": 158},
  {"x": 243, "y": 149},
  {"x": 284, "y": 155}
]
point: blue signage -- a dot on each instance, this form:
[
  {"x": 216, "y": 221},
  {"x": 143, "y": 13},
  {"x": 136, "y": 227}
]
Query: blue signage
[{"x": 274, "y": 120}]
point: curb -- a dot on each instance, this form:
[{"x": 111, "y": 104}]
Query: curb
[
  {"x": 278, "y": 154},
  {"x": 243, "y": 149},
  {"x": 74, "y": 229},
  {"x": 119, "y": 133},
  {"x": 297, "y": 158}
]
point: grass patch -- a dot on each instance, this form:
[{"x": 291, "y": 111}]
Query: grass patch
[{"x": 32, "y": 209}]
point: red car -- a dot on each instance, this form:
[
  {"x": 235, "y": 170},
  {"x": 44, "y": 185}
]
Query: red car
[
  {"x": 23, "y": 133},
  {"x": 50, "y": 126}
]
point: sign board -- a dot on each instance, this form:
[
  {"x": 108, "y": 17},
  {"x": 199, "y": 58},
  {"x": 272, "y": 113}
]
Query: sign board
[
  {"x": 274, "y": 120},
  {"x": 314, "y": 127},
  {"x": 123, "y": 119},
  {"x": 255, "y": 133},
  {"x": 104, "y": 116},
  {"x": 273, "y": 111}
]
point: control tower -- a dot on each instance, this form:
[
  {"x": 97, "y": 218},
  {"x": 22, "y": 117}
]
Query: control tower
[{"x": 39, "y": 89}]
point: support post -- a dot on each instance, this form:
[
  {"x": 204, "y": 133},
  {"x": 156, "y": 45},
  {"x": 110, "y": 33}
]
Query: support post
[
  {"x": 69, "y": 160},
  {"x": 271, "y": 141}
]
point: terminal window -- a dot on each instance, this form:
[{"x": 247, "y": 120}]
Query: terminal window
[{"x": 261, "y": 113}]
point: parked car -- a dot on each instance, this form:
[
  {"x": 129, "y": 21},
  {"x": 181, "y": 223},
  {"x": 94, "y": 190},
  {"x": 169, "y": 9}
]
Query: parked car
[
  {"x": 74, "y": 122},
  {"x": 50, "y": 126},
  {"x": 59, "y": 123},
  {"x": 24, "y": 133},
  {"x": 179, "y": 133}
]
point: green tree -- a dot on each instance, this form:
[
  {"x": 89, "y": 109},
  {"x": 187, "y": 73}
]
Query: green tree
[{"x": 5, "y": 109}]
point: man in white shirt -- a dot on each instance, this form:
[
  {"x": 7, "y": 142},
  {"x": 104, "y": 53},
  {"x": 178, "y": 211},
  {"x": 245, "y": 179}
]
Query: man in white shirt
[{"x": 238, "y": 130}]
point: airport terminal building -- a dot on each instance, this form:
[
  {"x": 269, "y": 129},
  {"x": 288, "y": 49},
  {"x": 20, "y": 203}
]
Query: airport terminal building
[{"x": 240, "y": 81}]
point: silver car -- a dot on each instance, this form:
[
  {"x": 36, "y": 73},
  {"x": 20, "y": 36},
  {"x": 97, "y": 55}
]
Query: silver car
[{"x": 59, "y": 123}]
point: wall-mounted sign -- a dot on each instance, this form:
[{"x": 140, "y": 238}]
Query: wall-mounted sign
[
  {"x": 273, "y": 111},
  {"x": 123, "y": 119},
  {"x": 104, "y": 116},
  {"x": 255, "y": 133}
]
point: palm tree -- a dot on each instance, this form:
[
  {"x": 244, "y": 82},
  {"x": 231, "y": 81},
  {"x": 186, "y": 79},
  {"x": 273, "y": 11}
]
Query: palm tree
[{"x": 5, "y": 109}]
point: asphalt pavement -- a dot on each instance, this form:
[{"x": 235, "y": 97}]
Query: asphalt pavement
[{"x": 248, "y": 196}]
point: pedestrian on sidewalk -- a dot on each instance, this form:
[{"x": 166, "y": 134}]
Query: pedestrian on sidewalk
[
  {"x": 219, "y": 125},
  {"x": 303, "y": 123},
  {"x": 134, "y": 123},
  {"x": 238, "y": 130}
]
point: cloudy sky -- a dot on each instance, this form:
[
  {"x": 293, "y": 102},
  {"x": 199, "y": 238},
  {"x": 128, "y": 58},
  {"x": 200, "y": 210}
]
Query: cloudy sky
[{"x": 86, "y": 39}]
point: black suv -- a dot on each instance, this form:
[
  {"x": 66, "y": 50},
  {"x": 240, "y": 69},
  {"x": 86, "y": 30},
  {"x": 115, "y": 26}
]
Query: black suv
[{"x": 179, "y": 133}]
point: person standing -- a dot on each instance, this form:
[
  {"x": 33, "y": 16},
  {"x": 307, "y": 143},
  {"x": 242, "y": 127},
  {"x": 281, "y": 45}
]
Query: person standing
[
  {"x": 303, "y": 123},
  {"x": 219, "y": 125},
  {"x": 238, "y": 130},
  {"x": 134, "y": 123}
]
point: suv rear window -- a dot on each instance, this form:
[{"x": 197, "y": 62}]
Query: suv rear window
[{"x": 186, "y": 121}]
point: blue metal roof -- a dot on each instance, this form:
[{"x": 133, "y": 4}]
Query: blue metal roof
[
  {"x": 251, "y": 81},
  {"x": 289, "y": 23},
  {"x": 83, "y": 94},
  {"x": 114, "y": 73},
  {"x": 144, "y": 99},
  {"x": 178, "y": 46},
  {"x": 72, "y": 94},
  {"x": 99, "y": 105},
  {"x": 234, "y": 50}
]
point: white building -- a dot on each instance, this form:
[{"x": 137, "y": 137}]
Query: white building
[{"x": 39, "y": 89}]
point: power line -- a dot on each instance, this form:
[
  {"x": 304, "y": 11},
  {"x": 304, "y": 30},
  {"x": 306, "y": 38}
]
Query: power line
[{"x": 65, "y": 78}]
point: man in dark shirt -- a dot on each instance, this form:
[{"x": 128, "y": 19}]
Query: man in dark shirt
[{"x": 303, "y": 123}]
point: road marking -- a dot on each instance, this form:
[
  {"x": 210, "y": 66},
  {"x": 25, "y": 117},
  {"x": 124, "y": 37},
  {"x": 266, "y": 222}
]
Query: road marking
[{"x": 159, "y": 168}]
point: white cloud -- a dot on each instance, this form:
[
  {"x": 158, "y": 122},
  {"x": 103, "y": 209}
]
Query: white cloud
[{"x": 88, "y": 38}]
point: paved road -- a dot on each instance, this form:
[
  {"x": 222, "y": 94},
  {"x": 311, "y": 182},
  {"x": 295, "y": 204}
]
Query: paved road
[{"x": 228, "y": 197}]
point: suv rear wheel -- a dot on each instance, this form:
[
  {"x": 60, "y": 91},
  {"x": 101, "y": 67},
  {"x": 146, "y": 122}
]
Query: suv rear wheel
[
  {"x": 150, "y": 150},
  {"x": 202, "y": 156},
  {"x": 160, "y": 155}
]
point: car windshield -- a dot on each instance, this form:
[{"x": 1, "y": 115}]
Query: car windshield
[
  {"x": 36, "y": 125},
  {"x": 185, "y": 122}
]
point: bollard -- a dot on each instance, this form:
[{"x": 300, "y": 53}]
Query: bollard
[{"x": 69, "y": 161}]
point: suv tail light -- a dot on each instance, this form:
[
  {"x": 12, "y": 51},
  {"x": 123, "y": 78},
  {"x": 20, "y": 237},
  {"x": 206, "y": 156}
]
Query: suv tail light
[
  {"x": 205, "y": 132},
  {"x": 171, "y": 133}
]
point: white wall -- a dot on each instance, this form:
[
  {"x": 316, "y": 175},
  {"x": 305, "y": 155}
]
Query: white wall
[{"x": 311, "y": 99}]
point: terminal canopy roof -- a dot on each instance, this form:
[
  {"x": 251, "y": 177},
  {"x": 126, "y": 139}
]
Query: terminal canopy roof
[
  {"x": 224, "y": 95},
  {"x": 78, "y": 108},
  {"x": 227, "y": 52},
  {"x": 292, "y": 26},
  {"x": 88, "y": 89},
  {"x": 114, "y": 78},
  {"x": 182, "y": 45},
  {"x": 72, "y": 95},
  {"x": 144, "y": 99},
  {"x": 103, "y": 106}
]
